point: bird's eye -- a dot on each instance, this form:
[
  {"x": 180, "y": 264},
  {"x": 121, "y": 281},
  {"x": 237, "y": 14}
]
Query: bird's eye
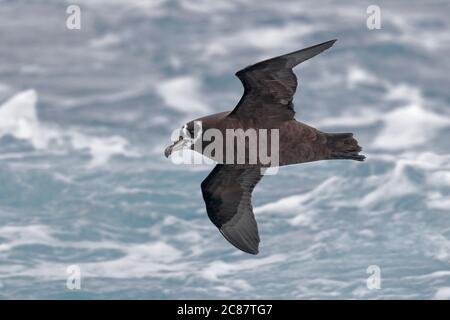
[{"x": 183, "y": 132}]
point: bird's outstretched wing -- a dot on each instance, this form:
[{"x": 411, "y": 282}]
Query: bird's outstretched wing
[
  {"x": 269, "y": 85},
  {"x": 227, "y": 193}
]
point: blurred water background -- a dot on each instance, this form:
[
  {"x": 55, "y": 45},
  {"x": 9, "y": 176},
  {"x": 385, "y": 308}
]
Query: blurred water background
[{"x": 85, "y": 116}]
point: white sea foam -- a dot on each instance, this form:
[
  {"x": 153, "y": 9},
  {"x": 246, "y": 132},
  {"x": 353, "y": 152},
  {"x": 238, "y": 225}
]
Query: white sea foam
[
  {"x": 138, "y": 260},
  {"x": 100, "y": 149},
  {"x": 156, "y": 259},
  {"x": 383, "y": 187},
  {"x": 266, "y": 39},
  {"x": 292, "y": 203},
  {"x": 217, "y": 269},
  {"x": 106, "y": 41},
  {"x": 357, "y": 76},
  {"x": 442, "y": 294},
  {"x": 141, "y": 4},
  {"x": 439, "y": 178},
  {"x": 302, "y": 205},
  {"x": 357, "y": 118},
  {"x": 438, "y": 246},
  {"x": 183, "y": 94},
  {"x": 22, "y": 235},
  {"x": 19, "y": 118},
  {"x": 112, "y": 96},
  {"x": 207, "y": 7},
  {"x": 389, "y": 186},
  {"x": 433, "y": 275},
  {"x": 437, "y": 200},
  {"x": 412, "y": 33},
  {"x": 411, "y": 124}
]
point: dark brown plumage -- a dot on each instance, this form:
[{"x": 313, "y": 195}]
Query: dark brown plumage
[{"x": 269, "y": 88}]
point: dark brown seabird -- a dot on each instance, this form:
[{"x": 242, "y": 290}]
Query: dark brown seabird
[{"x": 269, "y": 88}]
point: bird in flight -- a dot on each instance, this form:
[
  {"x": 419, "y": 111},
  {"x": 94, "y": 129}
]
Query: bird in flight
[{"x": 266, "y": 104}]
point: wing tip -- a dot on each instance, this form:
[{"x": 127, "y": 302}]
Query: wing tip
[
  {"x": 245, "y": 246},
  {"x": 332, "y": 42},
  {"x": 326, "y": 45},
  {"x": 253, "y": 252}
]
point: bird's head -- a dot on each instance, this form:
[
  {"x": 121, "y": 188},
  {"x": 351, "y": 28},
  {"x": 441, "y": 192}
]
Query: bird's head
[{"x": 186, "y": 139}]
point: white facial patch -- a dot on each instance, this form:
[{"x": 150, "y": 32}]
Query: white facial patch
[{"x": 189, "y": 140}]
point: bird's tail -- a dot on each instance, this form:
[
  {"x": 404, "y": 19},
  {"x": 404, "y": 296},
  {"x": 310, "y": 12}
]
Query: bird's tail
[{"x": 343, "y": 146}]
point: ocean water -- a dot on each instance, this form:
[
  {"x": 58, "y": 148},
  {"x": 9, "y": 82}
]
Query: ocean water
[{"x": 85, "y": 116}]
